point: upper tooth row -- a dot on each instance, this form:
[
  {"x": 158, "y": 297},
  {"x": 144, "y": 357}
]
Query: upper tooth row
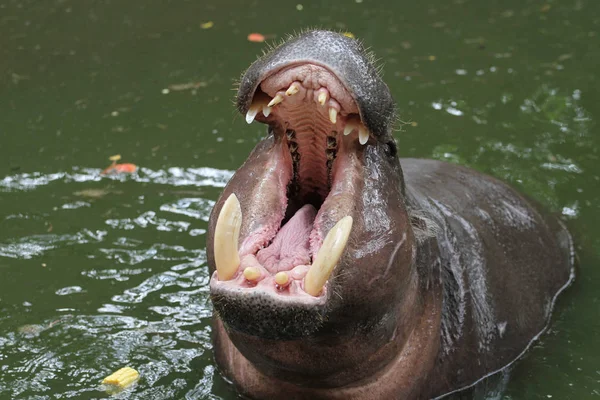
[{"x": 352, "y": 124}]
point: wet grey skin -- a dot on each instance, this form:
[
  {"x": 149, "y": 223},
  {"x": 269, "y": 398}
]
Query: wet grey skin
[{"x": 448, "y": 276}]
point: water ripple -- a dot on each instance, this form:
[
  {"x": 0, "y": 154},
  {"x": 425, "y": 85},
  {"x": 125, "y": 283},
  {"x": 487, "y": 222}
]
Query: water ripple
[
  {"x": 173, "y": 176},
  {"x": 35, "y": 245},
  {"x": 157, "y": 251},
  {"x": 191, "y": 207},
  {"x": 116, "y": 274},
  {"x": 149, "y": 219},
  {"x": 152, "y": 284}
]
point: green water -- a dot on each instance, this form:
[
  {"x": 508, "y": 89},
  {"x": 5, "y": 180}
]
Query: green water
[{"x": 101, "y": 272}]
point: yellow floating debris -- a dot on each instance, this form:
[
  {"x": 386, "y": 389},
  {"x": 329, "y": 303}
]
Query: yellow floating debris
[
  {"x": 349, "y": 34},
  {"x": 123, "y": 378}
]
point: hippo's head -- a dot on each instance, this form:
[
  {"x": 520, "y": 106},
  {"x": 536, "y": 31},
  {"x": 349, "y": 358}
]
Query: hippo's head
[{"x": 310, "y": 245}]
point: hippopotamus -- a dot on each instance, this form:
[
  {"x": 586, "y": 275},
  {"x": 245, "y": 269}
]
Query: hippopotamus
[{"x": 340, "y": 271}]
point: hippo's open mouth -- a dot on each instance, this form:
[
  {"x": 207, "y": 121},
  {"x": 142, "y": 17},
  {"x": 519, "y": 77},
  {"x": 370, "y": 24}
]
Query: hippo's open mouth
[
  {"x": 291, "y": 249},
  {"x": 297, "y": 216}
]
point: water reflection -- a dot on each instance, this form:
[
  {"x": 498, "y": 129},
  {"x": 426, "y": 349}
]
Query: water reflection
[
  {"x": 173, "y": 177},
  {"x": 36, "y": 245}
]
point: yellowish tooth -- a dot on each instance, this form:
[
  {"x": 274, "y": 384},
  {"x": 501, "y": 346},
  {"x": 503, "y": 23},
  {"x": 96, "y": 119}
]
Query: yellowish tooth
[
  {"x": 251, "y": 273},
  {"x": 363, "y": 134},
  {"x": 293, "y": 89},
  {"x": 266, "y": 111},
  {"x": 276, "y": 100},
  {"x": 227, "y": 234},
  {"x": 328, "y": 256},
  {"x": 251, "y": 114},
  {"x": 282, "y": 278},
  {"x": 349, "y": 128},
  {"x": 333, "y": 115},
  {"x": 322, "y": 98}
]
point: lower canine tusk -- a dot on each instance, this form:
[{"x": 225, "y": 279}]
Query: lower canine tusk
[
  {"x": 328, "y": 256},
  {"x": 227, "y": 234}
]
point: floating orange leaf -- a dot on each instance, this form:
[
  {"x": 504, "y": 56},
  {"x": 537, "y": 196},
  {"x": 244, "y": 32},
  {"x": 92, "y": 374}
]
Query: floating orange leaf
[
  {"x": 126, "y": 168},
  {"x": 115, "y": 168},
  {"x": 256, "y": 37},
  {"x": 120, "y": 169}
]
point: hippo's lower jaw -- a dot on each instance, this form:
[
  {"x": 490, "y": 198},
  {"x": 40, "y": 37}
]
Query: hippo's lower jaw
[{"x": 286, "y": 258}]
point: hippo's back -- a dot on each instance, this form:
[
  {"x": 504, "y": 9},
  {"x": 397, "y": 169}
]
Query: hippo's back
[{"x": 504, "y": 262}]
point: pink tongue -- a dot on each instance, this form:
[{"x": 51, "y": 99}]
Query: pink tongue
[{"x": 290, "y": 247}]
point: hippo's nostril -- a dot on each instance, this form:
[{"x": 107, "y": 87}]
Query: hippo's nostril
[{"x": 392, "y": 149}]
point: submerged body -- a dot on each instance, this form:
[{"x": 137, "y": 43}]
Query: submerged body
[{"x": 429, "y": 276}]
